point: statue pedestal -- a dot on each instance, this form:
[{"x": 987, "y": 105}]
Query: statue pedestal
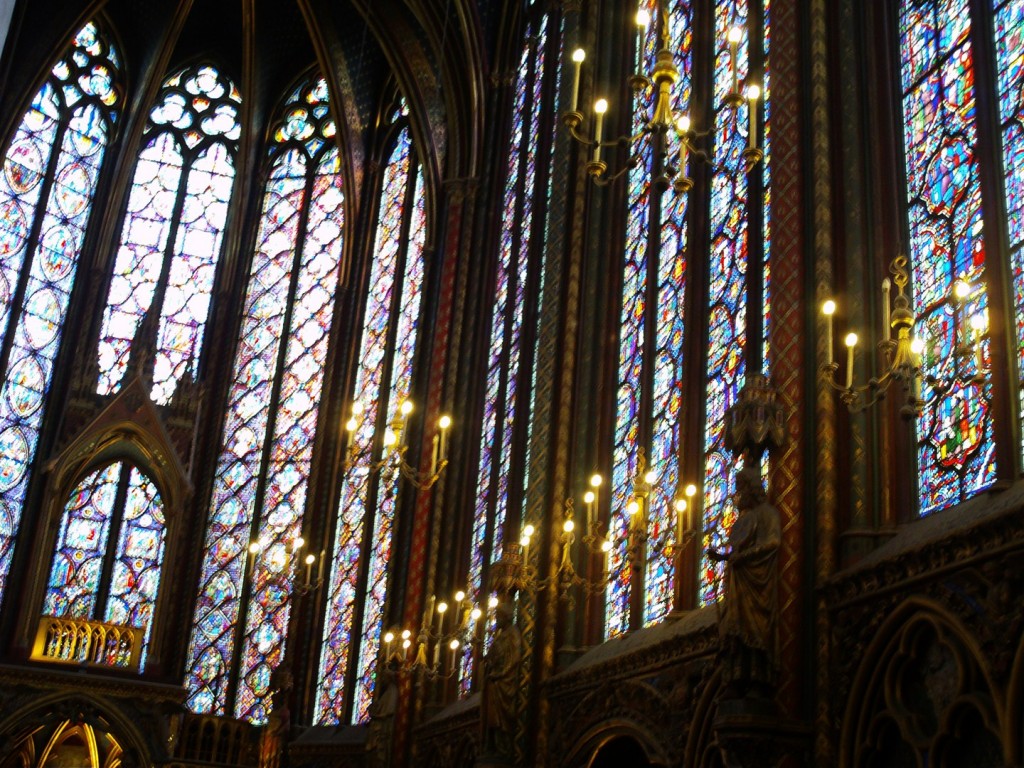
[{"x": 752, "y": 734}]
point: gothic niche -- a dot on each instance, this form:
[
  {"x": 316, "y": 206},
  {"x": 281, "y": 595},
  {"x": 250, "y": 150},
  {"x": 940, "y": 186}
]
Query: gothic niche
[{"x": 927, "y": 703}]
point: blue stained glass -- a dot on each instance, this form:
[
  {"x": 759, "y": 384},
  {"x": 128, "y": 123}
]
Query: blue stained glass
[
  {"x": 49, "y": 172},
  {"x": 956, "y": 446},
  {"x": 342, "y": 638},
  {"x": 727, "y": 305}
]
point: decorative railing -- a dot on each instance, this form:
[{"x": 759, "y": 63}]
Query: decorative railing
[{"x": 88, "y": 643}]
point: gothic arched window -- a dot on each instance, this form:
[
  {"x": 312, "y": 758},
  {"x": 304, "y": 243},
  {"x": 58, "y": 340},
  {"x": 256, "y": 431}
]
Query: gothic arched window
[
  {"x": 173, "y": 228},
  {"x": 260, "y": 485},
  {"x": 518, "y": 287},
  {"x": 50, "y": 171},
  {"x": 361, "y": 551},
  {"x": 109, "y": 552},
  {"x": 958, "y": 230},
  {"x": 710, "y": 246}
]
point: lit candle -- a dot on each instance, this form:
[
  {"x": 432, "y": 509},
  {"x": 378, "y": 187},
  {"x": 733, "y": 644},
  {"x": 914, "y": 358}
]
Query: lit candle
[
  {"x": 405, "y": 410},
  {"x": 589, "y": 498},
  {"x": 828, "y": 309},
  {"x": 851, "y": 344},
  {"x": 567, "y": 539},
  {"x": 978, "y": 324},
  {"x": 735, "y": 33},
  {"x": 916, "y": 348},
  {"x": 388, "y": 639},
  {"x": 437, "y": 655},
  {"x": 753, "y": 94},
  {"x": 606, "y": 548},
  {"x": 600, "y": 107},
  {"x": 442, "y": 608},
  {"x": 435, "y": 447},
  {"x": 680, "y": 521},
  {"x": 886, "y": 285},
  {"x": 643, "y": 18},
  {"x": 633, "y": 508},
  {"x": 309, "y": 569},
  {"x": 320, "y": 568},
  {"x": 577, "y": 65},
  {"x": 443, "y": 424},
  {"x": 524, "y": 544},
  {"x": 682, "y": 129},
  {"x": 454, "y": 646}
]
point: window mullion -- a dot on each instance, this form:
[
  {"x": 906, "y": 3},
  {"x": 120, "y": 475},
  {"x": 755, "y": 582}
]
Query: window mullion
[{"x": 113, "y": 538}]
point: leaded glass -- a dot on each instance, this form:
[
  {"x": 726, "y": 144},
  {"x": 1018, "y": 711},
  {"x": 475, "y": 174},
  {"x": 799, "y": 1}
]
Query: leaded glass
[
  {"x": 171, "y": 237},
  {"x": 116, "y": 496},
  {"x": 1009, "y": 26},
  {"x": 667, "y": 393},
  {"x": 267, "y": 446},
  {"x": 631, "y": 361},
  {"x": 377, "y": 400},
  {"x": 504, "y": 362},
  {"x": 45, "y": 204},
  {"x": 727, "y": 304},
  {"x": 955, "y": 455}
]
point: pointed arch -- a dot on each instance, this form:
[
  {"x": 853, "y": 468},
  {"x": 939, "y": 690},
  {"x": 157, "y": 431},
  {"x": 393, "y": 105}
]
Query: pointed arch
[
  {"x": 172, "y": 234},
  {"x": 260, "y": 485},
  {"x": 51, "y": 167}
]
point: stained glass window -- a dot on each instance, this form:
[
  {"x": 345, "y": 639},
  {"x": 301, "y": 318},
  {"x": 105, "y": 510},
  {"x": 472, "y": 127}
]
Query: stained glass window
[
  {"x": 947, "y": 243},
  {"x": 658, "y": 277},
  {"x": 262, "y": 475},
  {"x": 524, "y": 201},
  {"x": 366, "y": 508},
  {"x": 657, "y": 282},
  {"x": 104, "y": 577},
  {"x": 50, "y": 171},
  {"x": 173, "y": 228},
  {"x": 1009, "y": 35}
]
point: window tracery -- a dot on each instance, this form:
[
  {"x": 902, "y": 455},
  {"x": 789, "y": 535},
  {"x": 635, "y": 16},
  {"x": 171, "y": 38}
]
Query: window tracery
[
  {"x": 51, "y": 169},
  {"x": 173, "y": 228},
  {"x": 261, "y": 480},
  {"x": 362, "y": 543}
]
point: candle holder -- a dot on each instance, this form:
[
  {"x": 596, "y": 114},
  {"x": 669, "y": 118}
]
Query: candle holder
[
  {"x": 395, "y": 448},
  {"x": 901, "y": 356},
  {"x": 660, "y": 81},
  {"x": 435, "y": 651}
]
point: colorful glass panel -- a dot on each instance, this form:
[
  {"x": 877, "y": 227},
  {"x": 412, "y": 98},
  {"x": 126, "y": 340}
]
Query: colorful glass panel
[
  {"x": 955, "y": 456},
  {"x": 503, "y": 372},
  {"x": 1009, "y": 26},
  {"x": 727, "y": 304},
  {"x": 269, "y": 431},
  {"x": 407, "y": 322},
  {"x": 135, "y": 578},
  {"x": 340, "y": 634},
  {"x": 72, "y": 590},
  {"x": 46, "y": 189},
  {"x": 172, "y": 232},
  {"x": 631, "y": 361},
  {"x": 667, "y": 394},
  {"x": 115, "y": 495}
]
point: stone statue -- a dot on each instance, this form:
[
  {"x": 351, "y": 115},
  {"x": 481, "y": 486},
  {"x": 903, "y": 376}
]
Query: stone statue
[
  {"x": 748, "y": 622},
  {"x": 502, "y": 677},
  {"x": 275, "y": 733},
  {"x": 382, "y": 718}
]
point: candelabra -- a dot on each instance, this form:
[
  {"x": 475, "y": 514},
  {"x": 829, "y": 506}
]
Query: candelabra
[
  {"x": 437, "y": 637},
  {"x": 395, "y": 447},
  {"x": 280, "y": 559},
  {"x": 902, "y": 356},
  {"x": 660, "y": 80}
]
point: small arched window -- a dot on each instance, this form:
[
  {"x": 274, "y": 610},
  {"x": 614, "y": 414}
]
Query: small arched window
[
  {"x": 109, "y": 552},
  {"x": 366, "y": 512},
  {"x": 49, "y": 178},
  {"x": 259, "y": 494},
  {"x": 173, "y": 228}
]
